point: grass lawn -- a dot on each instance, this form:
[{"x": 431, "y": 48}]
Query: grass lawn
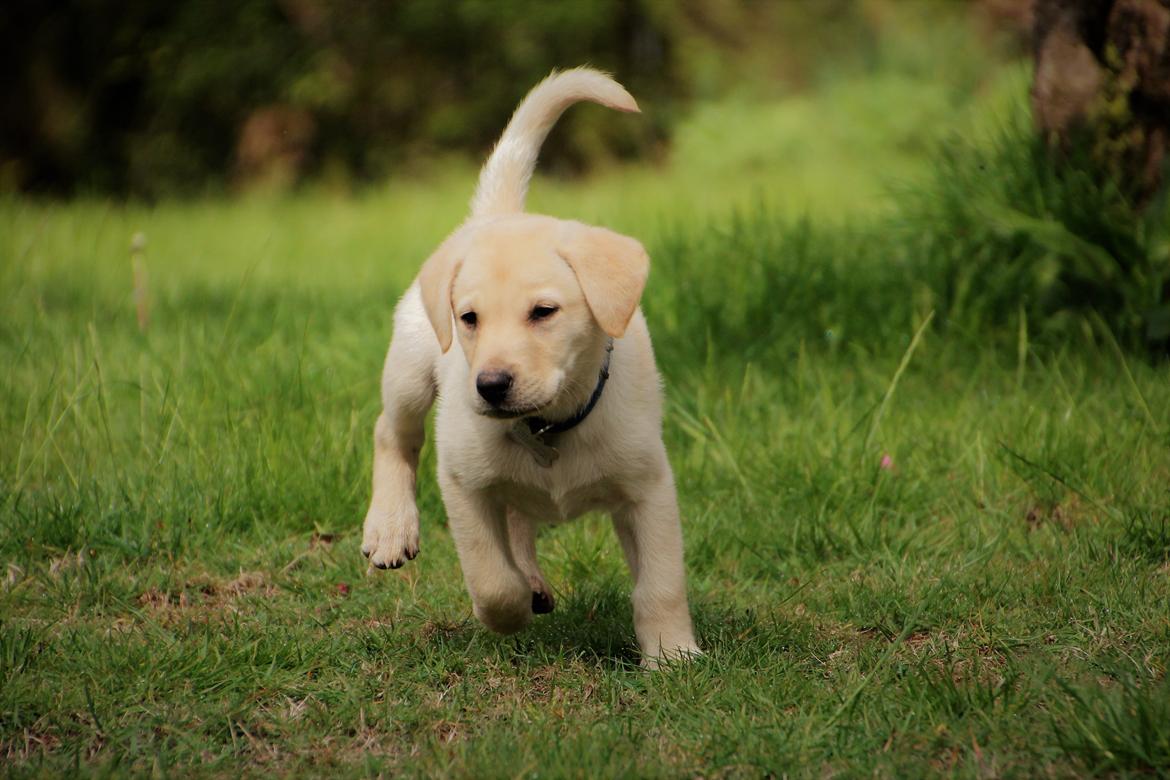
[{"x": 914, "y": 547}]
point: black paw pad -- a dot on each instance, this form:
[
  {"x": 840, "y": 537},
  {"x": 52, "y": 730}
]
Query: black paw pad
[{"x": 542, "y": 603}]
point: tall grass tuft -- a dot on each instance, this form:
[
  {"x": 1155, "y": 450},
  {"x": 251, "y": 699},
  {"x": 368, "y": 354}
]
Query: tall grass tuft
[
  {"x": 1012, "y": 226},
  {"x": 1004, "y": 240},
  {"x": 1121, "y": 728},
  {"x": 761, "y": 288}
]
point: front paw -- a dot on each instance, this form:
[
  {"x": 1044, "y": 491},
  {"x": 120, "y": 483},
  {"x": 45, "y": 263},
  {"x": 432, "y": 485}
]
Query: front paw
[
  {"x": 680, "y": 652},
  {"x": 390, "y": 539}
]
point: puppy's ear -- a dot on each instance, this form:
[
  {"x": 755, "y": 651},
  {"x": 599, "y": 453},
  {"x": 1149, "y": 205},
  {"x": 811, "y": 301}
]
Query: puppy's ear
[
  {"x": 611, "y": 269},
  {"x": 434, "y": 282}
]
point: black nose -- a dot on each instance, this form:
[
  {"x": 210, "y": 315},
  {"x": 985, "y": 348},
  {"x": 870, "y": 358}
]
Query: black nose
[{"x": 493, "y": 386}]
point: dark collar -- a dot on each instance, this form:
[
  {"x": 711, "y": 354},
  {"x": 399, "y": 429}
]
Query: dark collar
[{"x": 542, "y": 427}]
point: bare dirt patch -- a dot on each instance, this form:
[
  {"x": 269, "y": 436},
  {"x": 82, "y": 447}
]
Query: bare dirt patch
[{"x": 207, "y": 594}]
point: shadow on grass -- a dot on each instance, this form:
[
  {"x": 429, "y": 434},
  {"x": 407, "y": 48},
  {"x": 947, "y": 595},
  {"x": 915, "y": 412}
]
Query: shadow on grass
[{"x": 594, "y": 625}]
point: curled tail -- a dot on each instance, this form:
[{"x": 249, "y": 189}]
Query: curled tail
[{"x": 503, "y": 182}]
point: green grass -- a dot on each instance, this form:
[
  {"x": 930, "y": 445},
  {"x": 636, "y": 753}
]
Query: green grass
[{"x": 180, "y": 508}]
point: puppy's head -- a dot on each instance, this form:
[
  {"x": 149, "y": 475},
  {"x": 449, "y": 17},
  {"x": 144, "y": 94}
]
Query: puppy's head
[{"x": 531, "y": 301}]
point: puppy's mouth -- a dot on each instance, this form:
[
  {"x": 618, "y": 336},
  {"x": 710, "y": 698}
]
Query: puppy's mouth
[{"x": 503, "y": 413}]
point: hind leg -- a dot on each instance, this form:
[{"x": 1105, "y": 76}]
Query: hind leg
[{"x": 522, "y": 536}]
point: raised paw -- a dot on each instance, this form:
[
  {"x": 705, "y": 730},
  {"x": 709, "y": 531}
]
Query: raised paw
[{"x": 389, "y": 541}]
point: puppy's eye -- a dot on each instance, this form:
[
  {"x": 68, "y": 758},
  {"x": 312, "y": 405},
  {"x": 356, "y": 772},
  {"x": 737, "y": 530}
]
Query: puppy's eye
[
  {"x": 468, "y": 318},
  {"x": 542, "y": 312}
]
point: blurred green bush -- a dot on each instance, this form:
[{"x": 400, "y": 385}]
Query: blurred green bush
[{"x": 1016, "y": 229}]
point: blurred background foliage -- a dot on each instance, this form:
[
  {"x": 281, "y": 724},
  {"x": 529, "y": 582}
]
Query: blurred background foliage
[{"x": 151, "y": 99}]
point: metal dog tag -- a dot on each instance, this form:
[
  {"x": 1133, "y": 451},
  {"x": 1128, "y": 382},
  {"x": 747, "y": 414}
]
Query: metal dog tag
[{"x": 544, "y": 454}]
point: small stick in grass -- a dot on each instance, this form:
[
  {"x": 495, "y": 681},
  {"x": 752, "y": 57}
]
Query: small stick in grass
[{"x": 141, "y": 295}]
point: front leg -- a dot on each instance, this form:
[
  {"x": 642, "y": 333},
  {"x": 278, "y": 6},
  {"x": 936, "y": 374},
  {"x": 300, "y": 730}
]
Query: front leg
[
  {"x": 500, "y": 594},
  {"x": 651, "y": 537},
  {"x": 390, "y": 531}
]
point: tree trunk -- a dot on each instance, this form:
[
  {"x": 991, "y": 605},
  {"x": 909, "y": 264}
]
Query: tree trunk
[{"x": 1102, "y": 78}]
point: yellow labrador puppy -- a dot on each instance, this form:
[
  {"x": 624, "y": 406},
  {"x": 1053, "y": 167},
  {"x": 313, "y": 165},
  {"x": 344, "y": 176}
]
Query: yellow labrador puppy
[{"x": 550, "y": 407}]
